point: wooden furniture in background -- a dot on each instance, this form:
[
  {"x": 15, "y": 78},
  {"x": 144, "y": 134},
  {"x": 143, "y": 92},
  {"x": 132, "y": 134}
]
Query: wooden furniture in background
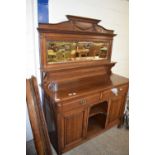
[
  {"x": 90, "y": 98},
  {"x": 37, "y": 120}
]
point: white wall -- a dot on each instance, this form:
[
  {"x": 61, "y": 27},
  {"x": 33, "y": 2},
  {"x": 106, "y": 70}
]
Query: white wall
[
  {"x": 114, "y": 15},
  {"x": 32, "y": 51}
]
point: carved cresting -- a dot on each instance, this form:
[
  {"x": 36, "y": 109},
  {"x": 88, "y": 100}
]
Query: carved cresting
[
  {"x": 77, "y": 24},
  {"x": 87, "y": 24}
]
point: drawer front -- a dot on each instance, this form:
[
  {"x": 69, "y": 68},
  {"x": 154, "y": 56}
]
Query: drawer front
[
  {"x": 94, "y": 98},
  {"x": 120, "y": 90},
  {"x": 105, "y": 95},
  {"x": 81, "y": 103}
]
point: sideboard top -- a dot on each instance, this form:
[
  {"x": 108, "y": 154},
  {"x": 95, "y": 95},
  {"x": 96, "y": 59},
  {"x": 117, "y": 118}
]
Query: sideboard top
[{"x": 85, "y": 87}]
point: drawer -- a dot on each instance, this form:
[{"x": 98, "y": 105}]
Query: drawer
[
  {"x": 120, "y": 90},
  {"x": 105, "y": 95},
  {"x": 81, "y": 103}
]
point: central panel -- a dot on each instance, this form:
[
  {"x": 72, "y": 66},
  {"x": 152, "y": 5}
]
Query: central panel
[{"x": 64, "y": 51}]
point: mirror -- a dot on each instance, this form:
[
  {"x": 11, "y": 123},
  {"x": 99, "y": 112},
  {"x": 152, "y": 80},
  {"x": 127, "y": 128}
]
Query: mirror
[{"x": 63, "y": 51}]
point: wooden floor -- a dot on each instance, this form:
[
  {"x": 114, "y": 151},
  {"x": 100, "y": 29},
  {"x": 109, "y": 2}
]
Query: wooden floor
[{"x": 113, "y": 142}]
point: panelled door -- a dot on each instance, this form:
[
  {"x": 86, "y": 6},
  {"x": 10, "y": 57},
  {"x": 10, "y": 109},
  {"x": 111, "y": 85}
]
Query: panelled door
[{"x": 74, "y": 127}]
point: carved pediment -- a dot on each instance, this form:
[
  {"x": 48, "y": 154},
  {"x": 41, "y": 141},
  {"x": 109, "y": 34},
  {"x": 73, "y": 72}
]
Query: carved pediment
[{"x": 76, "y": 24}]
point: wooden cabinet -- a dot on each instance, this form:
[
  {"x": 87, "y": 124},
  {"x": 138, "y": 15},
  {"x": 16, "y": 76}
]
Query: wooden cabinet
[
  {"x": 117, "y": 104},
  {"x": 115, "y": 108},
  {"x": 81, "y": 118},
  {"x": 73, "y": 127},
  {"x": 82, "y": 97}
]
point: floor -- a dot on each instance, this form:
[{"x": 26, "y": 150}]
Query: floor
[{"x": 112, "y": 142}]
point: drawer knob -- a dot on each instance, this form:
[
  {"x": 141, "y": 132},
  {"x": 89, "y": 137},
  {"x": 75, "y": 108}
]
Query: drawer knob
[
  {"x": 83, "y": 102},
  {"x": 121, "y": 89}
]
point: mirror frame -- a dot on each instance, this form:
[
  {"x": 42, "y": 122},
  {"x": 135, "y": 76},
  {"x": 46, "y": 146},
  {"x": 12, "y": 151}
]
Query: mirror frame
[{"x": 75, "y": 29}]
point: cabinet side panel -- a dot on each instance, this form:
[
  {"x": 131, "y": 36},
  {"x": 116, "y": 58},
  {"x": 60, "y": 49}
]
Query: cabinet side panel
[{"x": 51, "y": 125}]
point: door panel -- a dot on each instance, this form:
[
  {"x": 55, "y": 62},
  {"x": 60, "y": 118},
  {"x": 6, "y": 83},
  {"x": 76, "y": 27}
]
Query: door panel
[
  {"x": 73, "y": 128},
  {"x": 116, "y": 108}
]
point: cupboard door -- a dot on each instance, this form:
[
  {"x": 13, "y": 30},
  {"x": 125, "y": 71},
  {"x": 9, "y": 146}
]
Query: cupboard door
[
  {"x": 74, "y": 126},
  {"x": 116, "y": 107}
]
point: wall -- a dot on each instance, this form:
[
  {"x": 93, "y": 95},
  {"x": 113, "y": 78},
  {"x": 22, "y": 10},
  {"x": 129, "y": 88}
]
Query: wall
[
  {"x": 32, "y": 51},
  {"x": 114, "y": 15}
]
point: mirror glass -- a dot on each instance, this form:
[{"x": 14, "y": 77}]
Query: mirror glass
[{"x": 62, "y": 51}]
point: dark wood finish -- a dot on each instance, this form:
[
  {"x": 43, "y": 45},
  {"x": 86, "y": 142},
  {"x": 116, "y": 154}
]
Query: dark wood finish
[
  {"x": 100, "y": 108},
  {"x": 84, "y": 105},
  {"x": 96, "y": 124},
  {"x": 37, "y": 120},
  {"x": 77, "y": 24},
  {"x": 116, "y": 103},
  {"x": 73, "y": 127},
  {"x": 72, "y": 110},
  {"x": 99, "y": 68},
  {"x": 75, "y": 29}
]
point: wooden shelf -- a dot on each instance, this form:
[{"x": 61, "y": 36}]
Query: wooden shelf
[
  {"x": 96, "y": 124},
  {"x": 97, "y": 118},
  {"x": 100, "y": 108},
  {"x": 97, "y": 110}
]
